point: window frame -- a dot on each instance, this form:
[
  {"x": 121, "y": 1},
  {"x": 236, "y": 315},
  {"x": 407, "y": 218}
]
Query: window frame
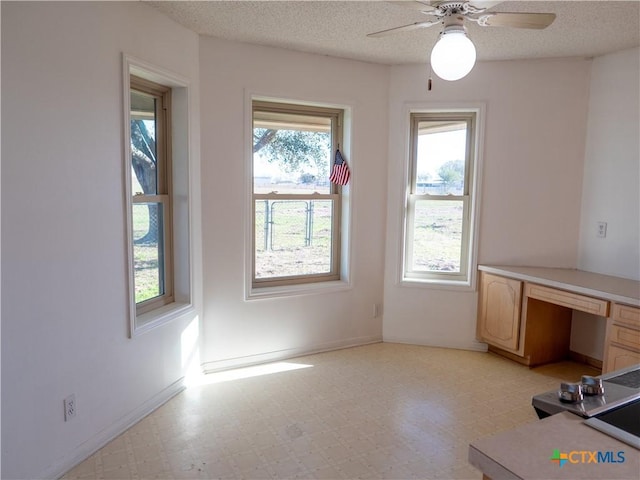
[
  {"x": 183, "y": 184},
  {"x": 473, "y": 115},
  {"x": 336, "y": 114},
  {"x": 164, "y": 191}
]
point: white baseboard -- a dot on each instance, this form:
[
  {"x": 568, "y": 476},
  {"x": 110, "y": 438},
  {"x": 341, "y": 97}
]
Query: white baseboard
[
  {"x": 95, "y": 443},
  {"x": 249, "y": 360},
  {"x": 437, "y": 342}
]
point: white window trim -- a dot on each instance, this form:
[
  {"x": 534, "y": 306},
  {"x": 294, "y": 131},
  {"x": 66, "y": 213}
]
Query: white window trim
[
  {"x": 313, "y": 288},
  {"x": 183, "y": 270},
  {"x": 468, "y": 284}
]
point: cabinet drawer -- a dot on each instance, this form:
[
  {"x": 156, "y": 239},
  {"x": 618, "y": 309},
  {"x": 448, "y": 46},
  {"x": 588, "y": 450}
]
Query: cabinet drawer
[
  {"x": 626, "y": 315},
  {"x": 574, "y": 301},
  {"x": 618, "y": 358},
  {"x": 625, "y": 336}
]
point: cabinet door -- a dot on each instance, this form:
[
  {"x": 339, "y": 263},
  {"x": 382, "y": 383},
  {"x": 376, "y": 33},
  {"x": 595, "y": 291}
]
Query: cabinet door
[
  {"x": 622, "y": 346},
  {"x": 499, "y": 311},
  {"x": 626, "y": 316},
  {"x": 618, "y": 358}
]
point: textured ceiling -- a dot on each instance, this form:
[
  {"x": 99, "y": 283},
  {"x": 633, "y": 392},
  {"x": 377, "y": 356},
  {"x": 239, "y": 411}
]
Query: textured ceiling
[{"x": 581, "y": 28}]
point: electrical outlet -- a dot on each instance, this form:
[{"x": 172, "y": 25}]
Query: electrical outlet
[
  {"x": 602, "y": 229},
  {"x": 69, "y": 407},
  {"x": 376, "y": 310}
]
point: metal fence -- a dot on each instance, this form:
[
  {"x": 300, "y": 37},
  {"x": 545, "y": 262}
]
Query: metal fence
[{"x": 286, "y": 224}]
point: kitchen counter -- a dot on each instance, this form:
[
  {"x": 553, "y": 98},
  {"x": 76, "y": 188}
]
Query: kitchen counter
[
  {"x": 615, "y": 289},
  {"x": 525, "y": 452}
]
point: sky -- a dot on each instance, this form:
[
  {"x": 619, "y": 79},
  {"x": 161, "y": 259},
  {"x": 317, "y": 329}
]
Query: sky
[{"x": 434, "y": 149}]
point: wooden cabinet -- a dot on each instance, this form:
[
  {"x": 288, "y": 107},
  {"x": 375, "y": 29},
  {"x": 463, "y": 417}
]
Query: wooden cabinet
[
  {"x": 517, "y": 320},
  {"x": 499, "y": 311},
  {"x": 618, "y": 358},
  {"x": 574, "y": 301},
  {"x": 622, "y": 344},
  {"x": 526, "y": 313},
  {"x": 626, "y": 316}
]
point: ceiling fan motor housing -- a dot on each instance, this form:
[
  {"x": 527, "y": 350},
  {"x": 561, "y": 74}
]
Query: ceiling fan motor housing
[
  {"x": 452, "y": 6},
  {"x": 448, "y": 8},
  {"x": 453, "y": 22},
  {"x": 453, "y": 15}
]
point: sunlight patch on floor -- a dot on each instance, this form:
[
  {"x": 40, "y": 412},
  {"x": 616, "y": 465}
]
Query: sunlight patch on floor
[{"x": 247, "y": 372}]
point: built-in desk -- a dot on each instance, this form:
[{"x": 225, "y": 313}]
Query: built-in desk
[
  {"x": 526, "y": 452},
  {"x": 524, "y": 313}
]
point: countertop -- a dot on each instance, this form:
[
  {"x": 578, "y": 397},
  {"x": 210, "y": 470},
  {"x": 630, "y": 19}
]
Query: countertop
[
  {"x": 525, "y": 452},
  {"x": 615, "y": 289}
]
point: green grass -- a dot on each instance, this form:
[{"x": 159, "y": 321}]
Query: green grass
[
  {"x": 438, "y": 236},
  {"x": 145, "y": 258},
  {"x": 288, "y": 250},
  {"x": 437, "y": 242}
]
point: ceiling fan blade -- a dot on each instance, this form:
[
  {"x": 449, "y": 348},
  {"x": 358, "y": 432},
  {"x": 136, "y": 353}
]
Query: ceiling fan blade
[
  {"x": 517, "y": 20},
  {"x": 404, "y": 28},
  {"x": 423, "y": 6}
]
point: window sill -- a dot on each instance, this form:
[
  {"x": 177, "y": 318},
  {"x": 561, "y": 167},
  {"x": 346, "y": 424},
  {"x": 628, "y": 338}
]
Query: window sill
[
  {"x": 257, "y": 293},
  {"x": 457, "y": 285},
  {"x": 155, "y": 318}
]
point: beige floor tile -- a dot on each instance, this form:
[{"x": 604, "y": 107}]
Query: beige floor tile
[
  {"x": 376, "y": 412},
  {"x": 152, "y": 467},
  {"x": 115, "y": 460},
  {"x": 120, "y": 473},
  {"x": 313, "y": 461},
  {"x": 327, "y": 473}
]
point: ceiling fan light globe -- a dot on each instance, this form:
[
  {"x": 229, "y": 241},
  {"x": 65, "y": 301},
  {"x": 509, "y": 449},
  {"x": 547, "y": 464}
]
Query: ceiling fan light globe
[{"x": 453, "y": 56}]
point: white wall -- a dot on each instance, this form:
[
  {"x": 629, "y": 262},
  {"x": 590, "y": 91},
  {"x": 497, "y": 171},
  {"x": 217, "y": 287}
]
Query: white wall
[
  {"x": 64, "y": 297},
  {"x": 611, "y": 191},
  {"x": 239, "y": 331},
  {"x": 531, "y": 185}
]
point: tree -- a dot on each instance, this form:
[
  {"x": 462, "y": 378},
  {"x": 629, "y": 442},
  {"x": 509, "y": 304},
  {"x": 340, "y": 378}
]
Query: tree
[
  {"x": 451, "y": 173},
  {"x": 143, "y": 162},
  {"x": 293, "y": 149}
]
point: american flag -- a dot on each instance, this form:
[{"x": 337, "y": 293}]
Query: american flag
[{"x": 340, "y": 171}]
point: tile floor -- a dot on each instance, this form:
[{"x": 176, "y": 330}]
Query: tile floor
[{"x": 378, "y": 411}]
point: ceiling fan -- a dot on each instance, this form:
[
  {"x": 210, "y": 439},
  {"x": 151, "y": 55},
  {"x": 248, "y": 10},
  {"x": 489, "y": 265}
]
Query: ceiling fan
[{"x": 454, "y": 54}]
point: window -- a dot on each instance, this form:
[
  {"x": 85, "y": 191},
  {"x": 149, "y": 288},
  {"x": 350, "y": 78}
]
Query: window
[
  {"x": 157, "y": 159},
  {"x": 296, "y": 209},
  {"x": 440, "y": 199},
  {"x": 150, "y": 135}
]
